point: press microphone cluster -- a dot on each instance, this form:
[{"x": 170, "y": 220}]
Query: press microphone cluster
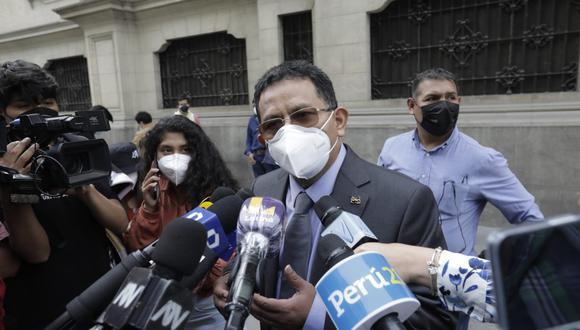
[
  {"x": 349, "y": 227},
  {"x": 259, "y": 233},
  {"x": 362, "y": 291},
  {"x": 151, "y": 298},
  {"x": 83, "y": 310}
]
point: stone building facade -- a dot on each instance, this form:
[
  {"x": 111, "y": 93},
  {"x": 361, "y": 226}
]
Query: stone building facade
[{"x": 122, "y": 42}]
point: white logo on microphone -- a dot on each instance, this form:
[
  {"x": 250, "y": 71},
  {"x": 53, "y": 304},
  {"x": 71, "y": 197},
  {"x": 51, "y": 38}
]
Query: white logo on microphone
[
  {"x": 195, "y": 216},
  {"x": 213, "y": 239},
  {"x": 171, "y": 313},
  {"x": 353, "y": 293}
]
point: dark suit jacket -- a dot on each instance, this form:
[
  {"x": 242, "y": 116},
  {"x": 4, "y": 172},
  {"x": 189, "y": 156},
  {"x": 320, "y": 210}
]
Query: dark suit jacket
[{"x": 395, "y": 207}]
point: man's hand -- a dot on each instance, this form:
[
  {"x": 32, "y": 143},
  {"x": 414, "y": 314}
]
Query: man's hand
[
  {"x": 220, "y": 293},
  {"x": 286, "y": 313},
  {"x": 18, "y": 155},
  {"x": 81, "y": 192}
]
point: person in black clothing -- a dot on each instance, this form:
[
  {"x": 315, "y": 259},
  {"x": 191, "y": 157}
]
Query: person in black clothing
[{"x": 73, "y": 223}]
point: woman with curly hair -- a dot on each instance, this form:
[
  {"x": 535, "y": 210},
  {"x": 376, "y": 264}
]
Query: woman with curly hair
[{"x": 181, "y": 166}]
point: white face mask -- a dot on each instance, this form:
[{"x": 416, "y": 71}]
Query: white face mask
[
  {"x": 301, "y": 151},
  {"x": 174, "y": 167}
]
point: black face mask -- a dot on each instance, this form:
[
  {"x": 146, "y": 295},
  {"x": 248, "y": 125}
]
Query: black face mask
[
  {"x": 183, "y": 108},
  {"x": 439, "y": 117}
]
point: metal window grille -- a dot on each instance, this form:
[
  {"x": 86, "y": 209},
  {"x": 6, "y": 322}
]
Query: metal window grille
[
  {"x": 493, "y": 46},
  {"x": 297, "y": 31},
  {"x": 211, "y": 68},
  {"x": 72, "y": 76}
]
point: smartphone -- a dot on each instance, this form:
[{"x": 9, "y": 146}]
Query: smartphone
[{"x": 156, "y": 188}]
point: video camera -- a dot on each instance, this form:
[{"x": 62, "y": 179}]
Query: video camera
[{"x": 64, "y": 160}]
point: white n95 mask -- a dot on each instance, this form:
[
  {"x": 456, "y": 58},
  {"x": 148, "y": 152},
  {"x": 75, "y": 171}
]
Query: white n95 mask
[
  {"x": 174, "y": 167},
  {"x": 301, "y": 151}
]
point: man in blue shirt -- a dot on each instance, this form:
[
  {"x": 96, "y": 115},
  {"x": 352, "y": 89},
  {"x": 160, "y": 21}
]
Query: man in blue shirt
[
  {"x": 462, "y": 174},
  {"x": 256, "y": 152}
]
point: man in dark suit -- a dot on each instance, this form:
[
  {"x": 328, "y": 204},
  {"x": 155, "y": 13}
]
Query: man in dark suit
[{"x": 303, "y": 128}]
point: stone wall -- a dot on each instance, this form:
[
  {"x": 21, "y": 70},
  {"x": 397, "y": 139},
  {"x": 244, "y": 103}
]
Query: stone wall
[{"x": 537, "y": 133}]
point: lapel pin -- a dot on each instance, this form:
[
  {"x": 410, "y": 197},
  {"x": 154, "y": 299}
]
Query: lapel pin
[{"x": 355, "y": 200}]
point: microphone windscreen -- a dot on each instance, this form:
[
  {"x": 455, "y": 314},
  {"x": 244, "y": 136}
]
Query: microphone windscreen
[
  {"x": 245, "y": 193},
  {"x": 180, "y": 245},
  {"x": 220, "y": 192},
  {"x": 227, "y": 210},
  {"x": 323, "y": 205}
]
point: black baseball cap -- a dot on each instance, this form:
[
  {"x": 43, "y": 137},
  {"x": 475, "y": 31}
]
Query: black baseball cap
[{"x": 125, "y": 156}]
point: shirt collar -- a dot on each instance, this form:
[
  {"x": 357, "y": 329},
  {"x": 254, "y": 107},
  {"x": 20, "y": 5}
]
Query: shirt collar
[
  {"x": 324, "y": 185},
  {"x": 451, "y": 140}
]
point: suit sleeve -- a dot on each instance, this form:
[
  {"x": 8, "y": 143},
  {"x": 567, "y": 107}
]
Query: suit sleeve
[{"x": 421, "y": 227}]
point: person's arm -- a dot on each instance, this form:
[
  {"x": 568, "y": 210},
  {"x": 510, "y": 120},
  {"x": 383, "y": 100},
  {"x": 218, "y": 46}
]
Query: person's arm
[
  {"x": 28, "y": 239},
  {"x": 384, "y": 156},
  {"x": 147, "y": 224},
  {"x": 9, "y": 263},
  {"x": 420, "y": 227},
  {"x": 107, "y": 211},
  {"x": 143, "y": 229},
  {"x": 464, "y": 283},
  {"x": 501, "y": 187}
]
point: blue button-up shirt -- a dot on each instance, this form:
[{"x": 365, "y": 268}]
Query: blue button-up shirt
[
  {"x": 463, "y": 176},
  {"x": 253, "y": 145},
  {"x": 322, "y": 187}
]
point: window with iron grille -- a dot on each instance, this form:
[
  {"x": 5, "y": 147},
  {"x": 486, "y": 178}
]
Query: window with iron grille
[
  {"x": 72, "y": 76},
  {"x": 297, "y": 31},
  {"x": 493, "y": 46},
  {"x": 211, "y": 68}
]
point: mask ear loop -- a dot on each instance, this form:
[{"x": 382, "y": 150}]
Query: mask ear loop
[
  {"x": 456, "y": 212},
  {"x": 322, "y": 129}
]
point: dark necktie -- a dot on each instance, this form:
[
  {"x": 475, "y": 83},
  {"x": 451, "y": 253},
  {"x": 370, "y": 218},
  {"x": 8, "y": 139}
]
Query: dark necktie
[{"x": 297, "y": 242}]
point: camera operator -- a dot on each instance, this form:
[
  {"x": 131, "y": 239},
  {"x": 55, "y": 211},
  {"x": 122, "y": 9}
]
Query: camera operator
[
  {"x": 9, "y": 265},
  {"x": 72, "y": 223}
]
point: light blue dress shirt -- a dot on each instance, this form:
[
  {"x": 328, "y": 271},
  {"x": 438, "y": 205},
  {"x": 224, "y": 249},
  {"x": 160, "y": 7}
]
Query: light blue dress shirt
[
  {"x": 322, "y": 187},
  {"x": 463, "y": 176}
]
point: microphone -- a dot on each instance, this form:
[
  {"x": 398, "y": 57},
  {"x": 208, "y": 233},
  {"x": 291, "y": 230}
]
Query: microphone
[
  {"x": 362, "y": 291},
  {"x": 259, "y": 233},
  {"x": 84, "y": 308},
  {"x": 146, "y": 291},
  {"x": 219, "y": 193},
  {"x": 345, "y": 225},
  {"x": 220, "y": 221}
]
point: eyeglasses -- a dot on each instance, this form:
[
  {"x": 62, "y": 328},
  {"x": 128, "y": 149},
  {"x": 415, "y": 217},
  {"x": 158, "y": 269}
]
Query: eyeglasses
[{"x": 305, "y": 117}]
